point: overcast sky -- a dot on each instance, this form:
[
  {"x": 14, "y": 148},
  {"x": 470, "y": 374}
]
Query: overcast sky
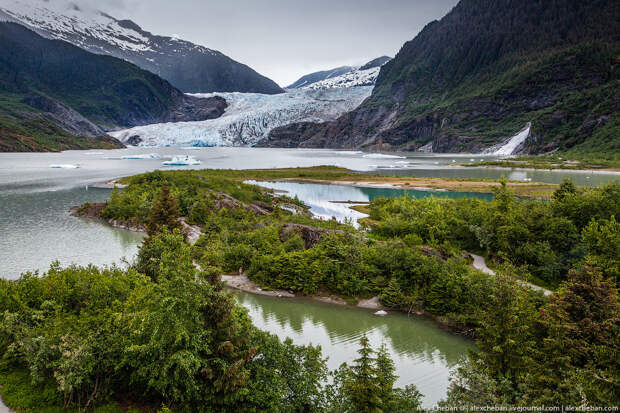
[{"x": 285, "y": 39}]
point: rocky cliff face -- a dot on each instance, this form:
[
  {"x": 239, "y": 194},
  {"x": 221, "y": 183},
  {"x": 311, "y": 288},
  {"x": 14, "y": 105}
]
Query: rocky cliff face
[
  {"x": 478, "y": 76},
  {"x": 67, "y": 118}
]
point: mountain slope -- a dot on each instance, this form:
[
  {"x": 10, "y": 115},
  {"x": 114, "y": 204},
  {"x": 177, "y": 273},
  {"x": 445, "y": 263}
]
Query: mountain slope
[
  {"x": 82, "y": 93},
  {"x": 480, "y": 74},
  {"x": 189, "y": 67},
  {"x": 378, "y": 62},
  {"x": 310, "y": 78},
  {"x": 344, "y": 76},
  {"x": 355, "y": 77}
]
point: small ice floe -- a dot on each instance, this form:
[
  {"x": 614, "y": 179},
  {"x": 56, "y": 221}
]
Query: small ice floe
[
  {"x": 453, "y": 160},
  {"x": 182, "y": 160},
  {"x": 381, "y": 313},
  {"x": 349, "y": 152},
  {"x": 142, "y": 156},
  {"x": 382, "y": 156},
  {"x": 471, "y": 159},
  {"x": 64, "y": 166}
]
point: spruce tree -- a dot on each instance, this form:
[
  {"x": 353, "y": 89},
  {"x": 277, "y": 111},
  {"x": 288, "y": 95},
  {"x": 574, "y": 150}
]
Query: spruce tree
[
  {"x": 385, "y": 376},
  {"x": 505, "y": 333},
  {"x": 362, "y": 386},
  {"x": 566, "y": 188},
  {"x": 392, "y": 296},
  {"x": 164, "y": 212},
  {"x": 579, "y": 359}
]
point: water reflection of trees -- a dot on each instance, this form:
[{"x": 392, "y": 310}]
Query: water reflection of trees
[
  {"x": 374, "y": 193},
  {"x": 409, "y": 336}
]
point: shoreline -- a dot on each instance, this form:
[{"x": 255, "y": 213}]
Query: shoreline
[
  {"x": 243, "y": 283},
  {"x": 530, "y": 169},
  {"x": 442, "y": 185}
]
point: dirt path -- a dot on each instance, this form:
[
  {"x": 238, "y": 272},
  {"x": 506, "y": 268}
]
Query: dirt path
[
  {"x": 4, "y": 408},
  {"x": 481, "y": 265}
]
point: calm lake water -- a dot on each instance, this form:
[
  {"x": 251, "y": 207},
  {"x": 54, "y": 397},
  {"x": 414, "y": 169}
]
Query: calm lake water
[
  {"x": 423, "y": 354},
  {"x": 36, "y": 229},
  {"x": 327, "y": 201}
]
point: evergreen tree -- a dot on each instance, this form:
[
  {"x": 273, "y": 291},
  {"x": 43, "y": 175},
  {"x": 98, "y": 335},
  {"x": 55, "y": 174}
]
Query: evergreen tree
[
  {"x": 504, "y": 198},
  {"x": 579, "y": 360},
  {"x": 362, "y": 386},
  {"x": 164, "y": 212},
  {"x": 392, "y": 296},
  {"x": 566, "y": 188},
  {"x": 602, "y": 241},
  {"x": 385, "y": 376},
  {"x": 505, "y": 334},
  {"x": 368, "y": 386}
]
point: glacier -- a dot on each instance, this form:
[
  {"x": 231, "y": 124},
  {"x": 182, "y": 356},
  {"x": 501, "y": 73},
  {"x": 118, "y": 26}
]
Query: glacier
[{"x": 250, "y": 117}]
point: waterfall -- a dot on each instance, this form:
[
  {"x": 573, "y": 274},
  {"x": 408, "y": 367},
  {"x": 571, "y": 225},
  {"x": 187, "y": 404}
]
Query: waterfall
[{"x": 513, "y": 143}]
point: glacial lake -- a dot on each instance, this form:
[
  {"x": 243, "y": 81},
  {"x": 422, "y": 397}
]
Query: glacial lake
[
  {"x": 334, "y": 200},
  {"x": 37, "y": 229}
]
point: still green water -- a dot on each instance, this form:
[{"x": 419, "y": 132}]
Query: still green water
[
  {"x": 423, "y": 353},
  {"x": 36, "y": 230}
]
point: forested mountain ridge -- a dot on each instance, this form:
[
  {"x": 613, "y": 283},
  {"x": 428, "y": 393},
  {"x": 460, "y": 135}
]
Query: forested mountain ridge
[
  {"x": 81, "y": 93},
  {"x": 480, "y": 74},
  {"x": 189, "y": 67}
]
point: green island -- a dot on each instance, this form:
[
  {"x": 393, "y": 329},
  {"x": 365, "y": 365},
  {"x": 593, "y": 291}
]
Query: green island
[{"x": 163, "y": 334}]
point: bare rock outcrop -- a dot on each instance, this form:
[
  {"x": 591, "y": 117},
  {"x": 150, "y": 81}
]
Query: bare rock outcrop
[{"x": 310, "y": 235}]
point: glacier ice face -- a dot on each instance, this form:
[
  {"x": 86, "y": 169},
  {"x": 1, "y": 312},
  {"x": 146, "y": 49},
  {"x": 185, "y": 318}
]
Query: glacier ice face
[{"x": 250, "y": 116}]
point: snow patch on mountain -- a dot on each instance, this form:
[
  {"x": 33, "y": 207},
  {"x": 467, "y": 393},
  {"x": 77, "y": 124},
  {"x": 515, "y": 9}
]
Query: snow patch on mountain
[
  {"x": 70, "y": 22},
  {"x": 250, "y": 116},
  {"x": 353, "y": 78}
]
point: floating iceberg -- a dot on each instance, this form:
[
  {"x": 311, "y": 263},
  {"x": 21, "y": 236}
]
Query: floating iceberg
[
  {"x": 64, "y": 166},
  {"x": 349, "y": 152},
  {"x": 382, "y": 156},
  {"x": 142, "y": 156},
  {"x": 182, "y": 160}
]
